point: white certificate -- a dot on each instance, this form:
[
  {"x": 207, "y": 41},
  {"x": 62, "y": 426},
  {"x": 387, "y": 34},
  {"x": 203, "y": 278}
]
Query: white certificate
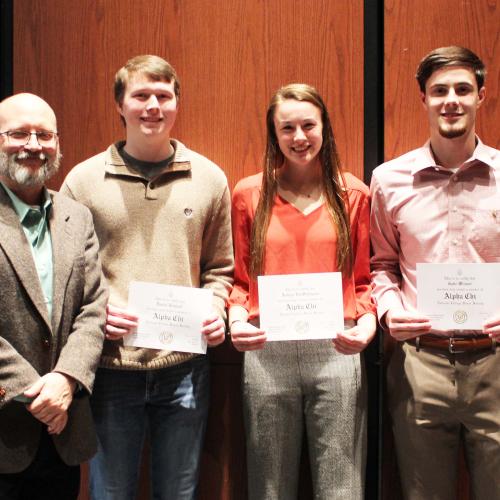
[
  {"x": 170, "y": 317},
  {"x": 301, "y": 306},
  {"x": 458, "y": 296}
]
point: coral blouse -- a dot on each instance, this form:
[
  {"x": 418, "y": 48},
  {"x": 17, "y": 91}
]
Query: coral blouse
[{"x": 298, "y": 243}]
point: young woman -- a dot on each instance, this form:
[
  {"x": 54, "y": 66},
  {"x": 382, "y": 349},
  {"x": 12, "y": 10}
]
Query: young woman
[{"x": 302, "y": 215}]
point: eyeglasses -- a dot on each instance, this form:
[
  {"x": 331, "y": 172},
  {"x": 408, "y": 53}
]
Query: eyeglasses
[{"x": 23, "y": 137}]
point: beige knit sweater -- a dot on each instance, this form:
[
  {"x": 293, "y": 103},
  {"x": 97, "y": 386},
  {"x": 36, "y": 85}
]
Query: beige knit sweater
[{"x": 174, "y": 229}]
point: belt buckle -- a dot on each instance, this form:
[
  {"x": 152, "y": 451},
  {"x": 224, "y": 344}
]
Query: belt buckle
[{"x": 452, "y": 347}]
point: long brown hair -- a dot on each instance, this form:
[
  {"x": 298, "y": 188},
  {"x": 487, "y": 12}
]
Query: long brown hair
[{"x": 332, "y": 181}]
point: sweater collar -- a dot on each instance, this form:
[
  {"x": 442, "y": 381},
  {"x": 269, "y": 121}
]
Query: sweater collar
[{"x": 115, "y": 164}]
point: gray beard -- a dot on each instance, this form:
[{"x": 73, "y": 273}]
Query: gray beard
[{"x": 25, "y": 176}]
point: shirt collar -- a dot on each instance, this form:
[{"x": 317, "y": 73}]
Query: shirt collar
[
  {"x": 22, "y": 209},
  {"x": 424, "y": 158},
  {"x": 484, "y": 154},
  {"x": 115, "y": 164}
]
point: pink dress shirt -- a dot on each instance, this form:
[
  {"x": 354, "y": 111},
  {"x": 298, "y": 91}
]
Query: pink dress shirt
[{"x": 422, "y": 212}]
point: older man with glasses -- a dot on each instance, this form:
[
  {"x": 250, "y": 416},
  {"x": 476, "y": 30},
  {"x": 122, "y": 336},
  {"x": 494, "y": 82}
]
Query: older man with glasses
[{"x": 52, "y": 313}]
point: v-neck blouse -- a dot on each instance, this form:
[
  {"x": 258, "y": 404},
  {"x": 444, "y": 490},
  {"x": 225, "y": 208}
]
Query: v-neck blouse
[{"x": 301, "y": 243}]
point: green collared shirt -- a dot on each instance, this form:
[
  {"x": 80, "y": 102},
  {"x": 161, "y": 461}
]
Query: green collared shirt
[{"x": 34, "y": 221}]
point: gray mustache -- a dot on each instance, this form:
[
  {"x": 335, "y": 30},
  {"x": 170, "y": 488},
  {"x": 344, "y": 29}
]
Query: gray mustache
[{"x": 27, "y": 155}]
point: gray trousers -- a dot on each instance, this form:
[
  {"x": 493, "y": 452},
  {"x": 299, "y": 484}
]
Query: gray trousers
[{"x": 295, "y": 384}]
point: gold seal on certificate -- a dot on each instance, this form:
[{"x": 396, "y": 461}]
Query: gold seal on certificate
[
  {"x": 302, "y": 327},
  {"x": 301, "y": 306},
  {"x": 170, "y": 317},
  {"x": 458, "y": 296},
  {"x": 460, "y": 317},
  {"x": 166, "y": 337}
]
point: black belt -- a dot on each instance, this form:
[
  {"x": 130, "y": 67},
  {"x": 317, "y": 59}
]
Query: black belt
[{"x": 454, "y": 345}]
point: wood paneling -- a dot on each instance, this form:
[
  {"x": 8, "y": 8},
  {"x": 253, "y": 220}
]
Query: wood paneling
[
  {"x": 224, "y": 463},
  {"x": 230, "y": 57},
  {"x": 412, "y": 29}
]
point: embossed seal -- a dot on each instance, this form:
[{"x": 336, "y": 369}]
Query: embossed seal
[
  {"x": 302, "y": 327},
  {"x": 166, "y": 337},
  {"x": 459, "y": 317}
]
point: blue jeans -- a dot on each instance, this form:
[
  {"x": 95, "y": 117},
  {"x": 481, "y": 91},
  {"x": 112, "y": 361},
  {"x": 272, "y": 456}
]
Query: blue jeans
[{"x": 171, "y": 407}]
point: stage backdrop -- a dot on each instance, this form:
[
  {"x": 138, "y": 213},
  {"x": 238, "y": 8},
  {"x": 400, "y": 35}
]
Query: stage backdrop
[{"x": 231, "y": 55}]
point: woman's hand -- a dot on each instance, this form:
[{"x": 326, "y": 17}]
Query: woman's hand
[
  {"x": 246, "y": 337},
  {"x": 355, "y": 339}
]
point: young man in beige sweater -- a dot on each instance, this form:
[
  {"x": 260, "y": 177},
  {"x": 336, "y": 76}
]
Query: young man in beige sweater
[{"x": 162, "y": 215}]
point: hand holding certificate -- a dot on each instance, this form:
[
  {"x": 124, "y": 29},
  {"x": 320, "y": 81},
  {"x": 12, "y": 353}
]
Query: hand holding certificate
[
  {"x": 458, "y": 296},
  {"x": 170, "y": 317},
  {"x": 301, "y": 306}
]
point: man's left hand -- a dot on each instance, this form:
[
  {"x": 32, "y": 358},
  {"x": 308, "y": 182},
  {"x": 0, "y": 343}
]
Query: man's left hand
[
  {"x": 214, "y": 330},
  {"x": 52, "y": 393},
  {"x": 492, "y": 328}
]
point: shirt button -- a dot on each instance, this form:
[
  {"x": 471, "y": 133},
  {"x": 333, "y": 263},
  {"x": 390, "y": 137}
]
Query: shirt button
[
  {"x": 46, "y": 343},
  {"x": 455, "y": 209},
  {"x": 455, "y": 242},
  {"x": 455, "y": 179}
]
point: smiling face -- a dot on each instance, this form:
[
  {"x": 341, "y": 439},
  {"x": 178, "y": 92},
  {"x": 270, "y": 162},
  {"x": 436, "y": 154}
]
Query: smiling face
[
  {"x": 149, "y": 109},
  {"x": 29, "y": 164},
  {"x": 451, "y": 100},
  {"x": 299, "y": 131}
]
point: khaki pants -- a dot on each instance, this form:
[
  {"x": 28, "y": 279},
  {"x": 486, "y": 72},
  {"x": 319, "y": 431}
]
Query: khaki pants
[{"x": 437, "y": 399}]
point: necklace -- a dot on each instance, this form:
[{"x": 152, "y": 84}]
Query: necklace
[{"x": 313, "y": 191}]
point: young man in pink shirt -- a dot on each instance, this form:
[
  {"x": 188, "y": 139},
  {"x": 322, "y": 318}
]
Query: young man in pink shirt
[{"x": 440, "y": 204}]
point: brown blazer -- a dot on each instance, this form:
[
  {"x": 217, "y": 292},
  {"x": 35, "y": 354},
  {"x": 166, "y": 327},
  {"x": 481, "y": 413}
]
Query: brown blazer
[{"x": 31, "y": 345}]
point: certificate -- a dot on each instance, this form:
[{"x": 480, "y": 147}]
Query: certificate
[
  {"x": 170, "y": 317},
  {"x": 301, "y": 306},
  {"x": 458, "y": 296}
]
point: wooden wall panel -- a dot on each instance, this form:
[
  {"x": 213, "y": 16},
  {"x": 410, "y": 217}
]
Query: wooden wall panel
[
  {"x": 412, "y": 29},
  {"x": 230, "y": 57}
]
